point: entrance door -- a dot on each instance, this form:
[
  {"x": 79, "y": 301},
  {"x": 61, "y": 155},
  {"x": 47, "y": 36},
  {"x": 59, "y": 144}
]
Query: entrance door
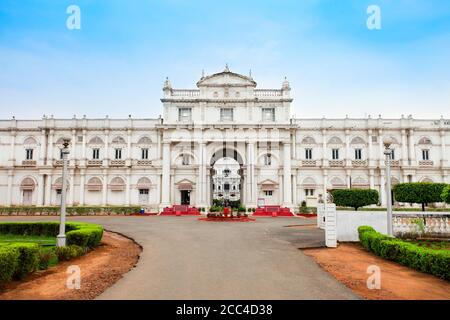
[
  {"x": 27, "y": 197},
  {"x": 143, "y": 196},
  {"x": 58, "y": 196},
  {"x": 185, "y": 197}
]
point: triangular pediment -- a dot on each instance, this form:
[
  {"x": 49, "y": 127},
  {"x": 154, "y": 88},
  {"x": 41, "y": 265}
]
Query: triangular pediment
[
  {"x": 226, "y": 78},
  {"x": 268, "y": 182},
  {"x": 185, "y": 181}
]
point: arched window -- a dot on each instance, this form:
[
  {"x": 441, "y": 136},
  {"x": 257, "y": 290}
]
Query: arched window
[
  {"x": 97, "y": 141},
  {"x": 94, "y": 184},
  {"x": 308, "y": 140},
  {"x": 117, "y": 184},
  {"x": 118, "y": 140}
]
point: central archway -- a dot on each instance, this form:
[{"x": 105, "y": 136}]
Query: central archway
[{"x": 226, "y": 177}]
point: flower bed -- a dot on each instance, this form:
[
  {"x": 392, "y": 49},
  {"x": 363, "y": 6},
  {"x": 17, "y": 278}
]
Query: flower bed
[
  {"x": 18, "y": 259},
  {"x": 429, "y": 260}
]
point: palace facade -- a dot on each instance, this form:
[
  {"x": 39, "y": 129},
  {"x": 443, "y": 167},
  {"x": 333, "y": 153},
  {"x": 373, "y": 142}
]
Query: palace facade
[{"x": 270, "y": 157}]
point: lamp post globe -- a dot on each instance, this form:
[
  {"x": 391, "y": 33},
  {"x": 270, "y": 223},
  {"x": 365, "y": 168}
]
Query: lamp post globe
[{"x": 61, "y": 238}]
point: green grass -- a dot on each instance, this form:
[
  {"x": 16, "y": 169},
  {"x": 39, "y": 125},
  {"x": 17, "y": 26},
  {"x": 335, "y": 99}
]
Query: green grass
[{"x": 41, "y": 240}]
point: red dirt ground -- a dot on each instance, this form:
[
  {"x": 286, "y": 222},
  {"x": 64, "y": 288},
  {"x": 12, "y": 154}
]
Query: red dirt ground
[
  {"x": 100, "y": 269},
  {"x": 348, "y": 263}
]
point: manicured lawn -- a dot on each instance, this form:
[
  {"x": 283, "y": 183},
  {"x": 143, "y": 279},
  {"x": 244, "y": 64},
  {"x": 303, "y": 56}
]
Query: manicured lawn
[{"x": 42, "y": 240}]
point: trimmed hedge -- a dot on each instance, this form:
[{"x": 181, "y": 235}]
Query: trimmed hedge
[
  {"x": 419, "y": 192},
  {"x": 354, "y": 198},
  {"x": 20, "y": 259},
  {"x": 78, "y": 233},
  {"x": 436, "y": 262},
  {"x": 9, "y": 260}
]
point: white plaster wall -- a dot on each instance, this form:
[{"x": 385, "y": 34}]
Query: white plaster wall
[{"x": 349, "y": 221}]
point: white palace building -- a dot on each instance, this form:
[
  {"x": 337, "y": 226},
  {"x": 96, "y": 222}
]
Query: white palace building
[{"x": 226, "y": 140}]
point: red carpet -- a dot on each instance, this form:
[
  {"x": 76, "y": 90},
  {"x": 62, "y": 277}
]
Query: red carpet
[
  {"x": 181, "y": 210},
  {"x": 268, "y": 211}
]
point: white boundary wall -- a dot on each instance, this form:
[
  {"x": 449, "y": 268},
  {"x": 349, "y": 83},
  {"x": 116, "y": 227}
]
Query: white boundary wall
[{"x": 349, "y": 221}]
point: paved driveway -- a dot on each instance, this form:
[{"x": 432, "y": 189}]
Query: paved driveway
[{"x": 184, "y": 258}]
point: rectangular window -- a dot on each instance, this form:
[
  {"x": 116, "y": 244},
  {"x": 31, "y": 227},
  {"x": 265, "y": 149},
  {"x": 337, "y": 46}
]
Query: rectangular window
[
  {"x": 80, "y": 138},
  {"x": 335, "y": 154},
  {"x": 118, "y": 154},
  {"x": 185, "y": 160},
  {"x": 425, "y": 154},
  {"x": 268, "y": 114},
  {"x": 308, "y": 154},
  {"x": 95, "y": 153},
  {"x": 374, "y": 139},
  {"x": 29, "y": 154},
  {"x": 226, "y": 114},
  {"x": 268, "y": 193},
  {"x": 309, "y": 192},
  {"x": 184, "y": 114},
  {"x": 144, "y": 153},
  {"x": 61, "y": 154},
  {"x": 268, "y": 160},
  {"x": 358, "y": 154},
  {"x": 392, "y": 154}
]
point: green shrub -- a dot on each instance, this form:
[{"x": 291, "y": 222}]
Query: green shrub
[
  {"x": 28, "y": 259},
  {"x": 445, "y": 196},
  {"x": 419, "y": 192},
  {"x": 355, "y": 198},
  {"x": 46, "y": 257},
  {"x": 9, "y": 260},
  {"x": 69, "y": 252},
  {"x": 436, "y": 262},
  {"x": 78, "y": 233}
]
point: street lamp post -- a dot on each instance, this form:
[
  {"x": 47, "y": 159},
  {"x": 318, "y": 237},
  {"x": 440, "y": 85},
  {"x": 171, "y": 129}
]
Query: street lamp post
[
  {"x": 61, "y": 238},
  {"x": 388, "y": 153}
]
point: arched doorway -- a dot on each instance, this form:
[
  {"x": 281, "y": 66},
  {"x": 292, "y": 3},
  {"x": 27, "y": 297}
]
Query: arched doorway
[{"x": 226, "y": 177}]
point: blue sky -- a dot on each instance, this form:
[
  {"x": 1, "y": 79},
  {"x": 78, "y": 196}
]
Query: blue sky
[{"x": 117, "y": 62}]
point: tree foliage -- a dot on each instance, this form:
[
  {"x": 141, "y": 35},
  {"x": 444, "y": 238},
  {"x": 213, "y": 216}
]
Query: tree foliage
[
  {"x": 419, "y": 192},
  {"x": 355, "y": 198}
]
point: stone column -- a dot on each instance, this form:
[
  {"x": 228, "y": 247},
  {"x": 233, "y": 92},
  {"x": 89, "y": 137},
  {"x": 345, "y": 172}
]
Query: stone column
[
  {"x": 127, "y": 190},
  {"x": 72, "y": 186},
  {"x": 287, "y": 183},
  {"x": 165, "y": 187},
  {"x": 129, "y": 144},
  {"x": 380, "y": 148},
  {"x": 84, "y": 145},
  {"x": 324, "y": 148},
  {"x": 404, "y": 148},
  {"x": 48, "y": 190},
  {"x": 412, "y": 152},
  {"x": 325, "y": 185},
  {"x": 10, "y": 186},
  {"x": 50, "y": 147},
  {"x": 369, "y": 151},
  {"x": 250, "y": 175},
  {"x": 106, "y": 153},
  {"x": 294, "y": 189},
  {"x": 73, "y": 145},
  {"x": 82, "y": 183},
  {"x": 42, "y": 149},
  {"x": 444, "y": 160},
  {"x": 371, "y": 179},
  {"x": 347, "y": 148},
  {"x": 40, "y": 193},
  {"x": 12, "y": 153},
  {"x": 105, "y": 188}
]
